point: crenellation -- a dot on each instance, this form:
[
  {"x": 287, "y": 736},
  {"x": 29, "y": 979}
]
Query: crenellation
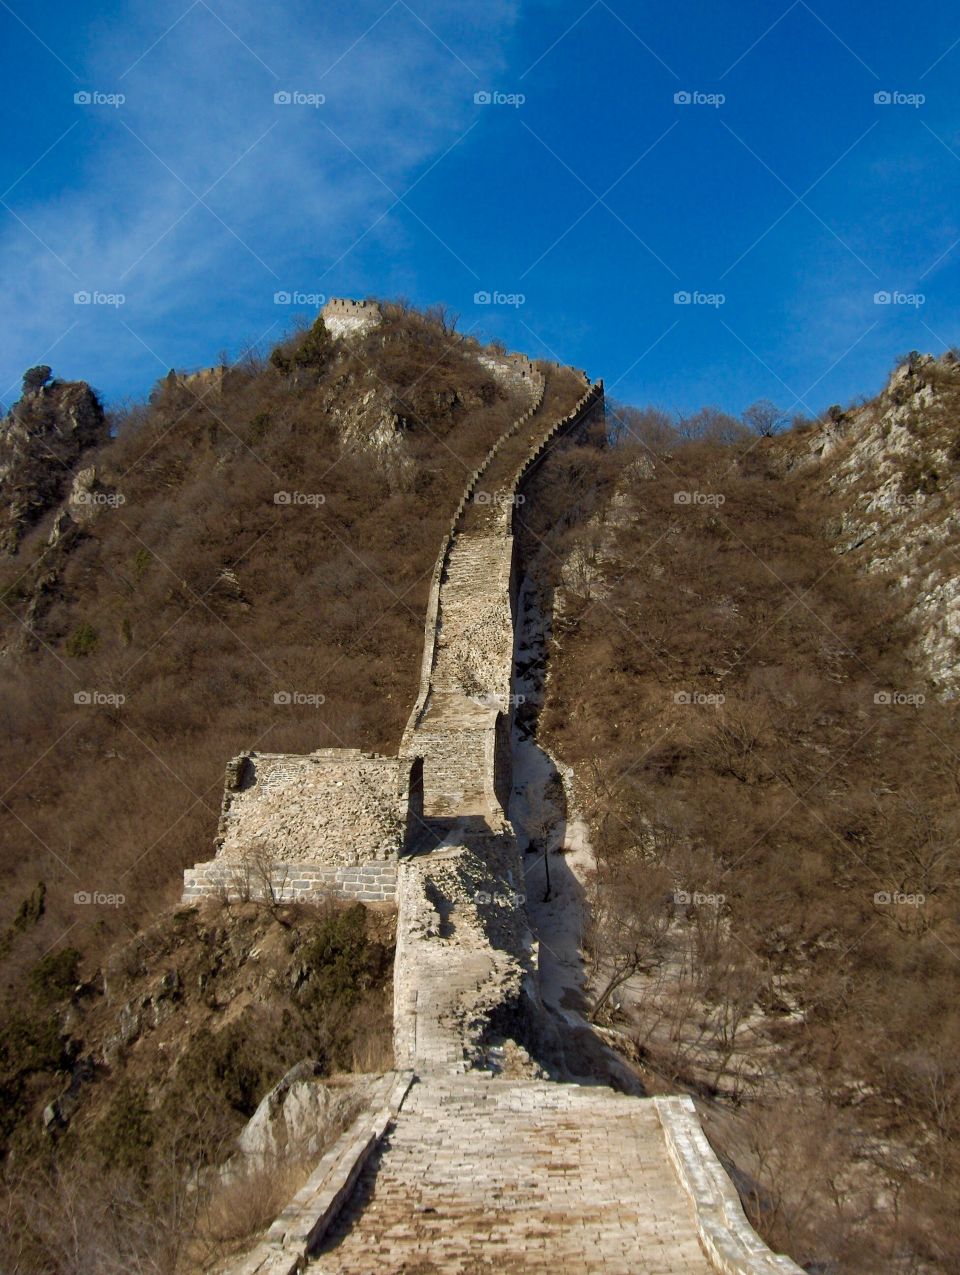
[{"x": 343, "y": 317}]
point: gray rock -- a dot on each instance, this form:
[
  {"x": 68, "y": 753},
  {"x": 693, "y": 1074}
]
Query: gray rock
[
  {"x": 130, "y": 1023},
  {"x": 296, "y": 1117}
]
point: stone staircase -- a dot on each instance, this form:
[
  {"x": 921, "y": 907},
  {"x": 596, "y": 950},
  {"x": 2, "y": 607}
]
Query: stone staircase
[
  {"x": 476, "y": 1162},
  {"x": 463, "y": 713},
  {"x": 469, "y": 685},
  {"x": 516, "y": 1176}
]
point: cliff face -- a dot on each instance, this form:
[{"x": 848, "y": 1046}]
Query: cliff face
[
  {"x": 42, "y": 439},
  {"x": 891, "y": 467}
]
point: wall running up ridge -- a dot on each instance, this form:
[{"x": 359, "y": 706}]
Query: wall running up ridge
[
  {"x": 461, "y": 722},
  {"x": 334, "y": 822},
  {"x": 478, "y": 1158}
]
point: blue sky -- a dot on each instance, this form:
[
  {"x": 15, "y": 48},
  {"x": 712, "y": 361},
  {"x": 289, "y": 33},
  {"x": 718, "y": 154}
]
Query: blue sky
[{"x": 783, "y": 185}]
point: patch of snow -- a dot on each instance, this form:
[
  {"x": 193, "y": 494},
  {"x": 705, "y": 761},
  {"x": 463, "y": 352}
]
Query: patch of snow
[{"x": 546, "y": 822}]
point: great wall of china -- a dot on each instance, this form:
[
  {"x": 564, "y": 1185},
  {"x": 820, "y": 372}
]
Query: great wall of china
[{"x": 481, "y": 1151}]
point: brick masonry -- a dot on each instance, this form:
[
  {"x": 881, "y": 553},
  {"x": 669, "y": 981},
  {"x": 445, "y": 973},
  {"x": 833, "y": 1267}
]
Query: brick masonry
[
  {"x": 329, "y": 823},
  {"x": 466, "y": 1168},
  {"x": 374, "y": 881}
]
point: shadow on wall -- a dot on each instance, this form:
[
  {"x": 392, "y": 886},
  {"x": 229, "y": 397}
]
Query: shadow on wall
[{"x": 550, "y": 841}]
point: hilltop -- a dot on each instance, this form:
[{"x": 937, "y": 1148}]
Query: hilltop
[{"x": 738, "y": 661}]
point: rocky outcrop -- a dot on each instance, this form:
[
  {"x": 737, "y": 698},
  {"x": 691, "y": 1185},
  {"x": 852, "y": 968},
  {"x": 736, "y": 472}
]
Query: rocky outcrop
[
  {"x": 892, "y": 467},
  {"x": 300, "y": 1116},
  {"x": 42, "y": 439}
]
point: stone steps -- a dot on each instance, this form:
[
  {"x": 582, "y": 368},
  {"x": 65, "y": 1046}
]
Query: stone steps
[
  {"x": 452, "y": 740},
  {"x": 472, "y": 659},
  {"x": 482, "y": 1174}
]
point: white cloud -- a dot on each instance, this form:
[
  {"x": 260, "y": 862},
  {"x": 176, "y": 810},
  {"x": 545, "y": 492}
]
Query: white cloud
[{"x": 288, "y": 197}]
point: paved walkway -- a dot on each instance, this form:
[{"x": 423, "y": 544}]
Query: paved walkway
[{"x": 483, "y": 1175}]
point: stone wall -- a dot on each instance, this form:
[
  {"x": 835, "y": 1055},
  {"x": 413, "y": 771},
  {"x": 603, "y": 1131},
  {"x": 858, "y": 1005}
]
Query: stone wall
[
  {"x": 208, "y": 381},
  {"x": 300, "y": 826},
  {"x": 460, "y": 724},
  {"x": 433, "y": 602},
  {"x": 515, "y": 370},
  {"x": 374, "y": 881},
  {"x": 465, "y": 963},
  {"x": 343, "y": 317}
]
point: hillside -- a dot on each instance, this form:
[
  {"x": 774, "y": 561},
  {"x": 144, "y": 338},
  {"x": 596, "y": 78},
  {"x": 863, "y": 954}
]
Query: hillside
[
  {"x": 892, "y": 466},
  {"x": 243, "y": 563},
  {"x": 166, "y": 1103},
  {"x": 749, "y": 653},
  {"x": 734, "y": 788}
]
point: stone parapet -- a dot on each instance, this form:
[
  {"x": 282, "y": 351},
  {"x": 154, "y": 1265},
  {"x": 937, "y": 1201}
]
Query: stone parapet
[
  {"x": 373, "y": 881},
  {"x": 328, "y": 823}
]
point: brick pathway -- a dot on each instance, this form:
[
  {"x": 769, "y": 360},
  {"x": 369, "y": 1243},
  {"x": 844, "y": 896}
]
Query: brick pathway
[{"x": 482, "y": 1175}]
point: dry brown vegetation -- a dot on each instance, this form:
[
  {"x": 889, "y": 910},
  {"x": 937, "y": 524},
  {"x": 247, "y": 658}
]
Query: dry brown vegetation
[
  {"x": 154, "y": 1064},
  {"x": 198, "y": 598},
  {"x": 775, "y": 906}
]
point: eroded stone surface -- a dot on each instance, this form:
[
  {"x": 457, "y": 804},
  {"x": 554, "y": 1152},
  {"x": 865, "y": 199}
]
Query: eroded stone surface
[{"x": 509, "y": 1176}]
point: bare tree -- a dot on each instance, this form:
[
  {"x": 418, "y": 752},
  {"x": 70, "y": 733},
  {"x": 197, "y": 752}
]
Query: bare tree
[
  {"x": 764, "y": 418},
  {"x": 628, "y": 925},
  {"x": 711, "y": 425}
]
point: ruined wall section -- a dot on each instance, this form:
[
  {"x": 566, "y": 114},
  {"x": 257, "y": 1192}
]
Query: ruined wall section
[
  {"x": 297, "y": 826},
  {"x": 460, "y": 723},
  {"x": 336, "y": 806},
  {"x": 431, "y": 626},
  {"x": 343, "y": 317}
]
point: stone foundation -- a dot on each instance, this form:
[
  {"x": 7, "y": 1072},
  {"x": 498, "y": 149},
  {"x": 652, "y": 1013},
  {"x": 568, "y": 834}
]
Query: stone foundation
[
  {"x": 374, "y": 881},
  {"x": 331, "y": 823}
]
